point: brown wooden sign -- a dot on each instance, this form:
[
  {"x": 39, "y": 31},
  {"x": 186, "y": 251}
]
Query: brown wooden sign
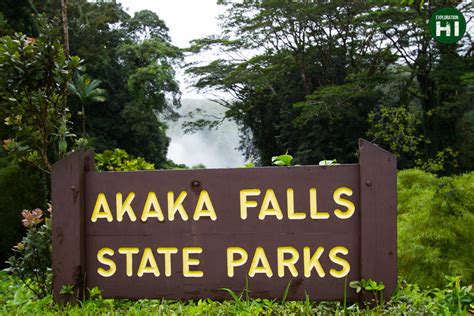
[{"x": 187, "y": 234}]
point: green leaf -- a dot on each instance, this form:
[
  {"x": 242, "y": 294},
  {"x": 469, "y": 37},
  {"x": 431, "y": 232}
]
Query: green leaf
[
  {"x": 62, "y": 146},
  {"x": 232, "y": 293},
  {"x": 95, "y": 293},
  {"x": 328, "y": 162},
  {"x": 285, "y": 294},
  {"x": 67, "y": 289},
  {"x": 355, "y": 285},
  {"x": 282, "y": 160}
]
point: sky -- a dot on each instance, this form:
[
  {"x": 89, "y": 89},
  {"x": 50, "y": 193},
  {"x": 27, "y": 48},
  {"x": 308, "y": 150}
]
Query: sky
[{"x": 186, "y": 20}]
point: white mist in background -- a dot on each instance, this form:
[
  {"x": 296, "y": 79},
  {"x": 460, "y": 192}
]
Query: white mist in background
[
  {"x": 188, "y": 20},
  {"x": 216, "y": 148}
]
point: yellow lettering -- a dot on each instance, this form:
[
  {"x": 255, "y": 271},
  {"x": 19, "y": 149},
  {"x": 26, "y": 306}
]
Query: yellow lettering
[
  {"x": 289, "y": 263},
  {"x": 176, "y": 206},
  {"x": 128, "y": 252},
  {"x": 312, "y": 262},
  {"x": 204, "y": 200},
  {"x": 258, "y": 257},
  {"x": 109, "y": 262},
  {"x": 167, "y": 251},
  {"x": 346, "y": 267},
  {"x": 290, "y": 203},
  {"x": 148, "y": 258},
  {"x": 244, "y": 204},
  {"x": 266, "y": 210},
  {"x": 313, "y": 206},
  {"x": 232, "y": 263},
  {"x": 125, "y": 207},
  {"x": 152, "y": 202},
  {"x": 101, "y": 203},
  {"x": 340, "y": 201},
  {"x": 187, "y": 262}
]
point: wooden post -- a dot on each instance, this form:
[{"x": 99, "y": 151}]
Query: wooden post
[
  {"x": 378, "y": 198},
  {"x": 68, "y": 224}
]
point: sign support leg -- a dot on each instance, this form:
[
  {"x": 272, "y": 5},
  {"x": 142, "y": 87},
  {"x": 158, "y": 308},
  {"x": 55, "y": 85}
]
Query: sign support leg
[
  {"x": 68, "y": 224},
  {"x": 378, "y": 198}
]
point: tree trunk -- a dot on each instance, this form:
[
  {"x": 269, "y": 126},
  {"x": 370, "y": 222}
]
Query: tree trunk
[
  {"x": 66, "y": 48},
  {"x": 83, "y": 120},
  {"x": 65, "y": 27}
]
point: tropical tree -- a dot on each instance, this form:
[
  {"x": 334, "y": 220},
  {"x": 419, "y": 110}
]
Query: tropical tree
[
  {"x": 133, "y": 58},
  {"x": 431, "y": 80},
  {"x": 88, "y": 92},
  {"x": 32, "y": 74},
  {"x": 312, "y": 77},
  {"x": 65, "y": 26},
  {"x": 302, "y": 74}
]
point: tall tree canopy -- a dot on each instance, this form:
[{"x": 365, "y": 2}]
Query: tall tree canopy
[
  {"x": 314, "y": 76},
  {"x": 132, "y": 57},
  {"x": 134, "y": 60},
  {"x": 124, "y": 80}
]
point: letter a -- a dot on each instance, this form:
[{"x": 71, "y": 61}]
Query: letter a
[
  {"x": 152, "y": 202},
  {"x": 101, "y": 203},
  {"x": 266, "y": 210},
  {"x": 204, "y": 200}
]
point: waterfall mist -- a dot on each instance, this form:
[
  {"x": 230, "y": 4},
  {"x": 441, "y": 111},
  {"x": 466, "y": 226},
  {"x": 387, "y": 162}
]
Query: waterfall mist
[{"x": 216, "y": 148}]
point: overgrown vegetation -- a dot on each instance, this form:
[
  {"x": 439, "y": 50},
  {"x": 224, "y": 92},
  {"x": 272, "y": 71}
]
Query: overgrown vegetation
[
  {"x": 110, "y": 97},
  {"x": 33, "y": 75},
  {"x": 131, "y": 56},
  {"x": 306, "y": 77},
  {"x": 120, "y": 160},
  {"x": 32, "y": 263},
  {"x": 16, "y": 182},
  {"x": 313, "y": 76},
  {"x": 435, "y": 221},
  {"x": 453, "y": 299}
]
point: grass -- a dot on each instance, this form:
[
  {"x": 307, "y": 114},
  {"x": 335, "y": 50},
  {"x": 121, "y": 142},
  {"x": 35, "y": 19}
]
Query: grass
[{"x": 454, "y": 299}]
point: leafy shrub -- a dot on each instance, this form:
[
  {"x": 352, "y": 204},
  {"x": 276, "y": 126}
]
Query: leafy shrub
[
  {"x": 120, "y": 160},
  {"x": 435, "y": 227},
  {"x": 282, "y": 160},
  {"x": 20, "y": 188},
  {"x": 453, "y": 299},
  {"x": 32, "y": 264},
  {"x": 33, "y": 72}
]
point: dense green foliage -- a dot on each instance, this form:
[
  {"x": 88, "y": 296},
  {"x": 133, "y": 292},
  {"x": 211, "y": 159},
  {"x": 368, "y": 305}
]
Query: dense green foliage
[
  {"x": 33, "y": 76},
  {"x": 129, "y": 81},
  {"x": 305, "y": 76},
  {"x": 88, "y": 92},
  {"x": 435, "y": 227},
  {"x": 36, "y": 122},
  {"x": 17, "y": 182},
  {"x": 18, "y": 15},
  {"x": 32, "y": 262},
  {"x": 120, "y": 160},
  {"x": 133, "y": 60},
  {"x": 409, "y": 300}
]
